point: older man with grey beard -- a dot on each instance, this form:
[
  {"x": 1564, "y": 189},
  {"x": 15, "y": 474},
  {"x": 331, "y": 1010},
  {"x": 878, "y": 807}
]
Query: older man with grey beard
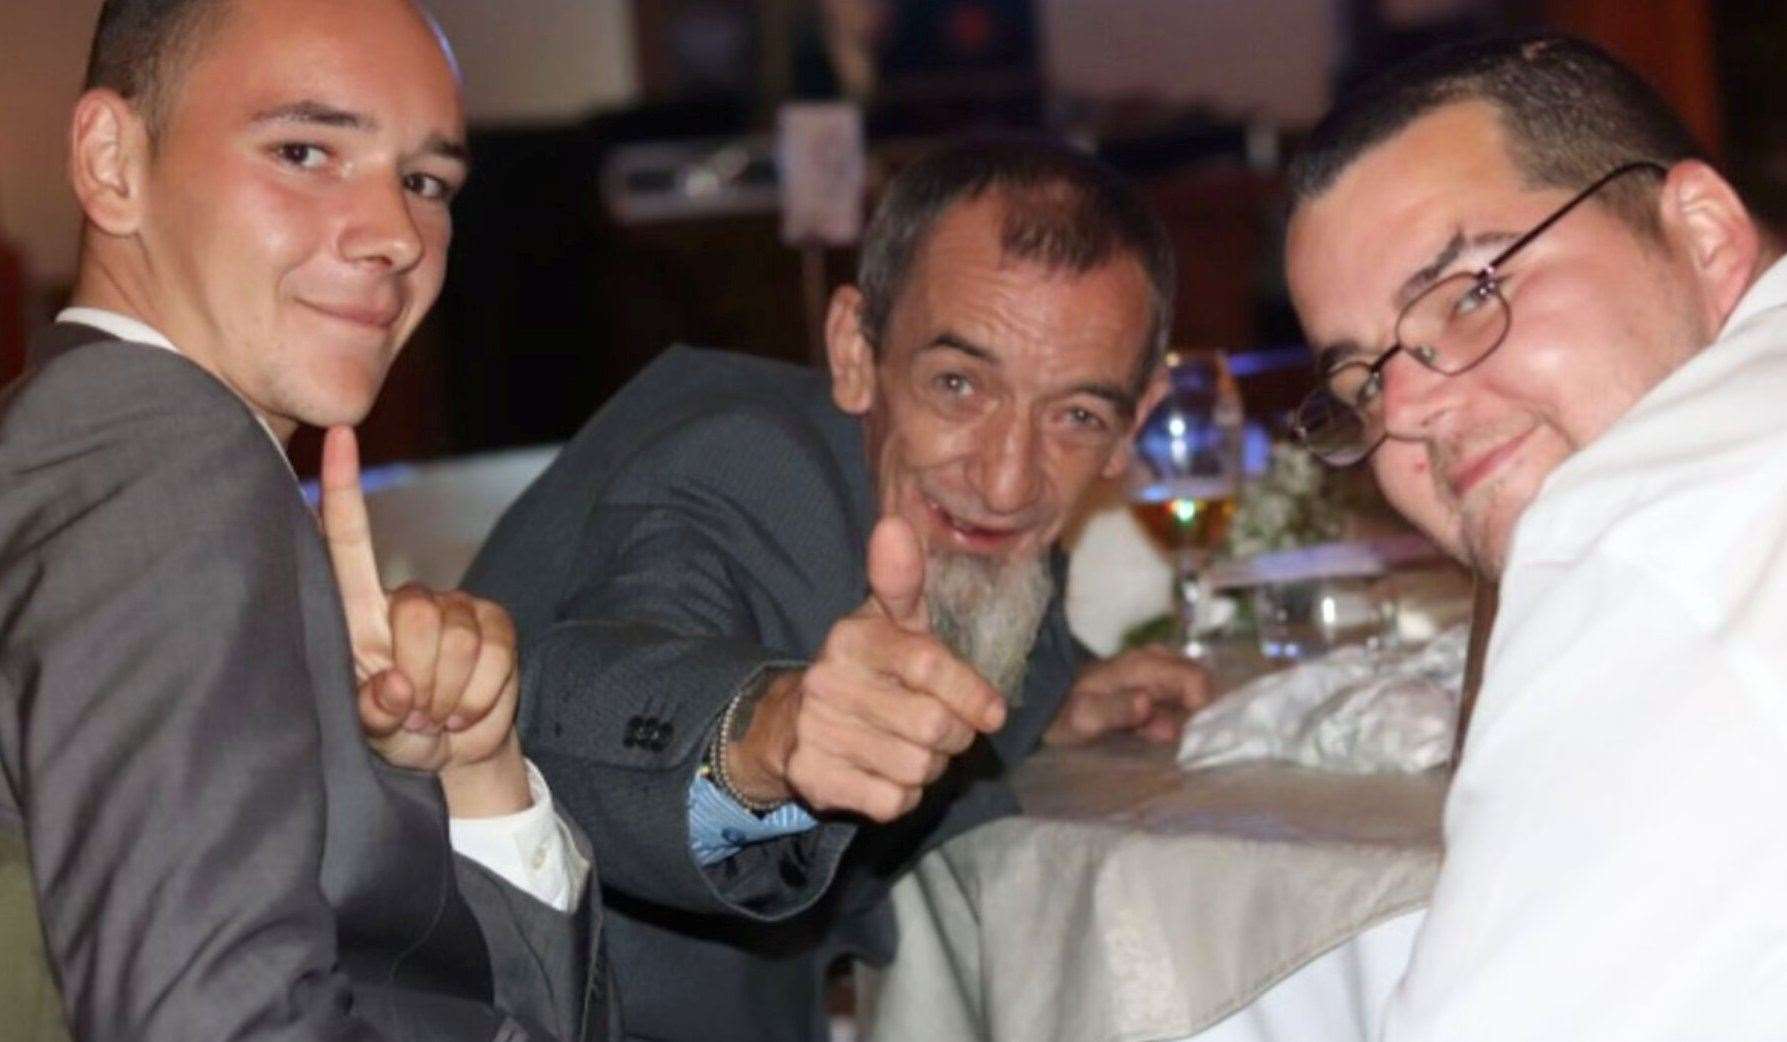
[{"x": 785, "y": 630}]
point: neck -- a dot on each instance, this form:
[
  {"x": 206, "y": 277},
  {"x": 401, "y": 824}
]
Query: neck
[
  {"x": 121, "y": 284},
  {"x": 106, "y": 282}
]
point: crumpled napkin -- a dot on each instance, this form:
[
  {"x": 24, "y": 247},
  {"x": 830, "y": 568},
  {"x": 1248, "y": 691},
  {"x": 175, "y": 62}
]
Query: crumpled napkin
[{"x": 1354, "y": 710}]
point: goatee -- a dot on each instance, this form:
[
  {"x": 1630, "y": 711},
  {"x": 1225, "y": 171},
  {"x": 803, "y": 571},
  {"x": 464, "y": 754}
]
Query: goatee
[{"x": 988, "y": 612}]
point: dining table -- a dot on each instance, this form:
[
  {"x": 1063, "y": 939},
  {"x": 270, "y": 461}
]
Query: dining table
[{"x": 1135, "y": 901}]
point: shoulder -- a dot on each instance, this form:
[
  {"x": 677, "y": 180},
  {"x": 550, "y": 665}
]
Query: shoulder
[
  {"x": 703, "y": 446},
  {"x": 120, "y": 387},
  {"x": 116, "y": 432},
  {"x": 717, "y": 420}
]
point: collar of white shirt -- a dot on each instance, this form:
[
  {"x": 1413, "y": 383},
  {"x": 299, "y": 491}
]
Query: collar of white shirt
[{"x": 138, "y": 332}]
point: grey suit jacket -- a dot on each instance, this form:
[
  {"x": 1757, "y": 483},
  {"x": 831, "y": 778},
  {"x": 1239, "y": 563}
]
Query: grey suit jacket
[
  {"x": 708, "y": 523},
  {"x": 216, "y": 853}
]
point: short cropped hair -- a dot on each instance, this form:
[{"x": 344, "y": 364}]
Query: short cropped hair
[
  {"x": 1570, "y": 113},
  {"x": 141, "y": 47},
  {"x": 1062, "y": 210}
]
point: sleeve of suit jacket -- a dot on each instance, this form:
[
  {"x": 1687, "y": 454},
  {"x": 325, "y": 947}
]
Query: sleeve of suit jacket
[
  {"x": 662, "y": 607},
  {"x": 160, "y": 734},
  {"x": 546, "y": 966}
]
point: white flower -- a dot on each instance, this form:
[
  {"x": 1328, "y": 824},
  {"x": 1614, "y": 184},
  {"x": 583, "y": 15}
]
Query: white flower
[{"x": 1287, "y": 506}]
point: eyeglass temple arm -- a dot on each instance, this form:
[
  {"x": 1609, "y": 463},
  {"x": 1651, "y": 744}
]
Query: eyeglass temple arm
[{"x": 1559, "y": 214}]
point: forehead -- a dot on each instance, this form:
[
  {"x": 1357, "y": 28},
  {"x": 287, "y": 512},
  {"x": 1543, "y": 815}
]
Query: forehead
[
  {"x": 378, "y": 57},
  {"x": 1392, "y": 210},
  {"x": 963, "y": 282}
]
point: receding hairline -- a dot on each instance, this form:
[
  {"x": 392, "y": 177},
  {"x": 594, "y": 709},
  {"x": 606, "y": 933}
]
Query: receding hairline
[
  {"x": 1014, "y": 208},
  {"x": 999, "y": 201}
]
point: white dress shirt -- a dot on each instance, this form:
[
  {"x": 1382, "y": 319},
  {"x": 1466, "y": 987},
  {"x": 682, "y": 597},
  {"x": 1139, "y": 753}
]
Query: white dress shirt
[
  {"x": 532, "y": 850},
  {"x": 1616, "y": 862}
]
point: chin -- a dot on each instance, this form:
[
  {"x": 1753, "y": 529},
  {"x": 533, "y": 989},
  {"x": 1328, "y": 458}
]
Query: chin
[{"x": 337, "y": 407}]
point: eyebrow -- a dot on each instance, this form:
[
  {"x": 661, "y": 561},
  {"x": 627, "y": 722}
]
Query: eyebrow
[
  {"x": 1430, "y": 272},
  {"x": 1341, "y": 352},
  {"x": 1120, "y": 398},
  {"x": 310, "y": 112},
  {"x": 1334, "y": 355}
]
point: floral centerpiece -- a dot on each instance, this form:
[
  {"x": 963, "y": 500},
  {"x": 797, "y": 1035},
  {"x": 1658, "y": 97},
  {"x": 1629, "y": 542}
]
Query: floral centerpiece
[{"x": 1295, "y": 502}]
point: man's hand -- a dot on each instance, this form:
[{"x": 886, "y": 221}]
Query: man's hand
[
  {"x": 879, "y": 713},
  {"x": 438, "y": 684},
  {"x": 1151, "y": 691}
]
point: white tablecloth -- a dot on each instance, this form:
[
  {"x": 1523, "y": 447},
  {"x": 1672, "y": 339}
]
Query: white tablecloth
[{"x": 1135, "y": 902}]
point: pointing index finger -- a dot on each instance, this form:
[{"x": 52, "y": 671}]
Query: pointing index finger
[
  {"x": 922, "y": 665},
  {"x": 348, "y": 533}
]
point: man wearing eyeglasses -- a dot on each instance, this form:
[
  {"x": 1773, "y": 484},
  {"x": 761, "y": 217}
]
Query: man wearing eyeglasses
[{"x": 1561, "y": 342}]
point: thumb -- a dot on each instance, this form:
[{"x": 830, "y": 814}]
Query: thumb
[
  {"x": 897, "y": 574},
  {"x": 348, "y": 533},
  {"x": 385, "y": 700}
]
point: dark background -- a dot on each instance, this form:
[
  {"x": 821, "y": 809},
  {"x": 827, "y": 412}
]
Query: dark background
[{"x": 552, "y": 301}]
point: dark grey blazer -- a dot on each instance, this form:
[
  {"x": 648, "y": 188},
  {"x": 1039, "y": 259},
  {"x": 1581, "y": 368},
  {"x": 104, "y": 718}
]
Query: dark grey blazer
[
  {"x": 708, "y": 522},
  {"x": 216, "y": 852}
]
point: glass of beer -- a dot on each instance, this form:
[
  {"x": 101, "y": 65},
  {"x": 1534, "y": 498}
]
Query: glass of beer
[{"x": 1184, "y": 478}]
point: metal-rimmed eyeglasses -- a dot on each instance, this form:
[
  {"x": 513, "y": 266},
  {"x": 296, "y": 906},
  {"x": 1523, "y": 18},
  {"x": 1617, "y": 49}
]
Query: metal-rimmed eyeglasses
[{"x": 1450, "y": 328}]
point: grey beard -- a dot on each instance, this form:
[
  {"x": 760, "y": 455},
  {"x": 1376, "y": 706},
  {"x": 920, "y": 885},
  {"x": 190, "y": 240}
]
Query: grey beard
[{"x": 988, "y": 612}]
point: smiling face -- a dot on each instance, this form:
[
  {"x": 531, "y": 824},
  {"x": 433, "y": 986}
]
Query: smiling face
[
  {"x": 293, "y": 223},
  {"x": 1001, "y": 391},
  {"x": 1600, "y": 315}
]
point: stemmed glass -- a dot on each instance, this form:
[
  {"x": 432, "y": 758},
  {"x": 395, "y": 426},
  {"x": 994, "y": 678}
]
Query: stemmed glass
[{"x": 1184, "y": 477}]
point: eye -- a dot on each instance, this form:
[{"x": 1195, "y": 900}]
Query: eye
[
  {"x": 1474, "y": 297},
  {"x": 1351, "y": 383},
  {"x": 955, "y": 385},
  {"x": 428, "y": 186},
  {"x": 1082, "y": 418},
  {"x": 302, "y": 155},
  {"x": 1368, "y": 390}
]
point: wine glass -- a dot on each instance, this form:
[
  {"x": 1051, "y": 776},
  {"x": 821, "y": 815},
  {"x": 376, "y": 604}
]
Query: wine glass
[{"x": 1184, "y": 477}]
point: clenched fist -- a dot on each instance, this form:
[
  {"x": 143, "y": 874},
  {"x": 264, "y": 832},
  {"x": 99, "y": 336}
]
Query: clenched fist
[{"x": 881, "y": 710}]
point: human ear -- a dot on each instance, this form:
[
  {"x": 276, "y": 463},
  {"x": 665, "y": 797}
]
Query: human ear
[
  {"x": 1703, "y": 212},
  {"x": 108, "y": 158},
  {"x": 848, "y": 350},
  {"x": 1152, "y": 392}
]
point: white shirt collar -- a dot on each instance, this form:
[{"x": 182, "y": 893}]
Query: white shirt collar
[
  {"x": 139, "y": 332},
  {"x": 121, "y": 326}
]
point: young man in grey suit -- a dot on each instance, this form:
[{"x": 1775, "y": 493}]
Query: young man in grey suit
[
  {"x": 766, "y": 713},
  {"x": 230, "y": 756}
]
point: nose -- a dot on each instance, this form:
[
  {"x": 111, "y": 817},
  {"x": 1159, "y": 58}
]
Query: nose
[
  {"x": 1414, "y": 397},
  {"x": 1011, "y": 476},
  {"x": 381, "y": 231}
]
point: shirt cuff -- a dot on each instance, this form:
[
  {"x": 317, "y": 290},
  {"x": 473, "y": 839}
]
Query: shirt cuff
[
  {"x": 531, "y": 850},
  {"x": 720, "y": 828}
]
